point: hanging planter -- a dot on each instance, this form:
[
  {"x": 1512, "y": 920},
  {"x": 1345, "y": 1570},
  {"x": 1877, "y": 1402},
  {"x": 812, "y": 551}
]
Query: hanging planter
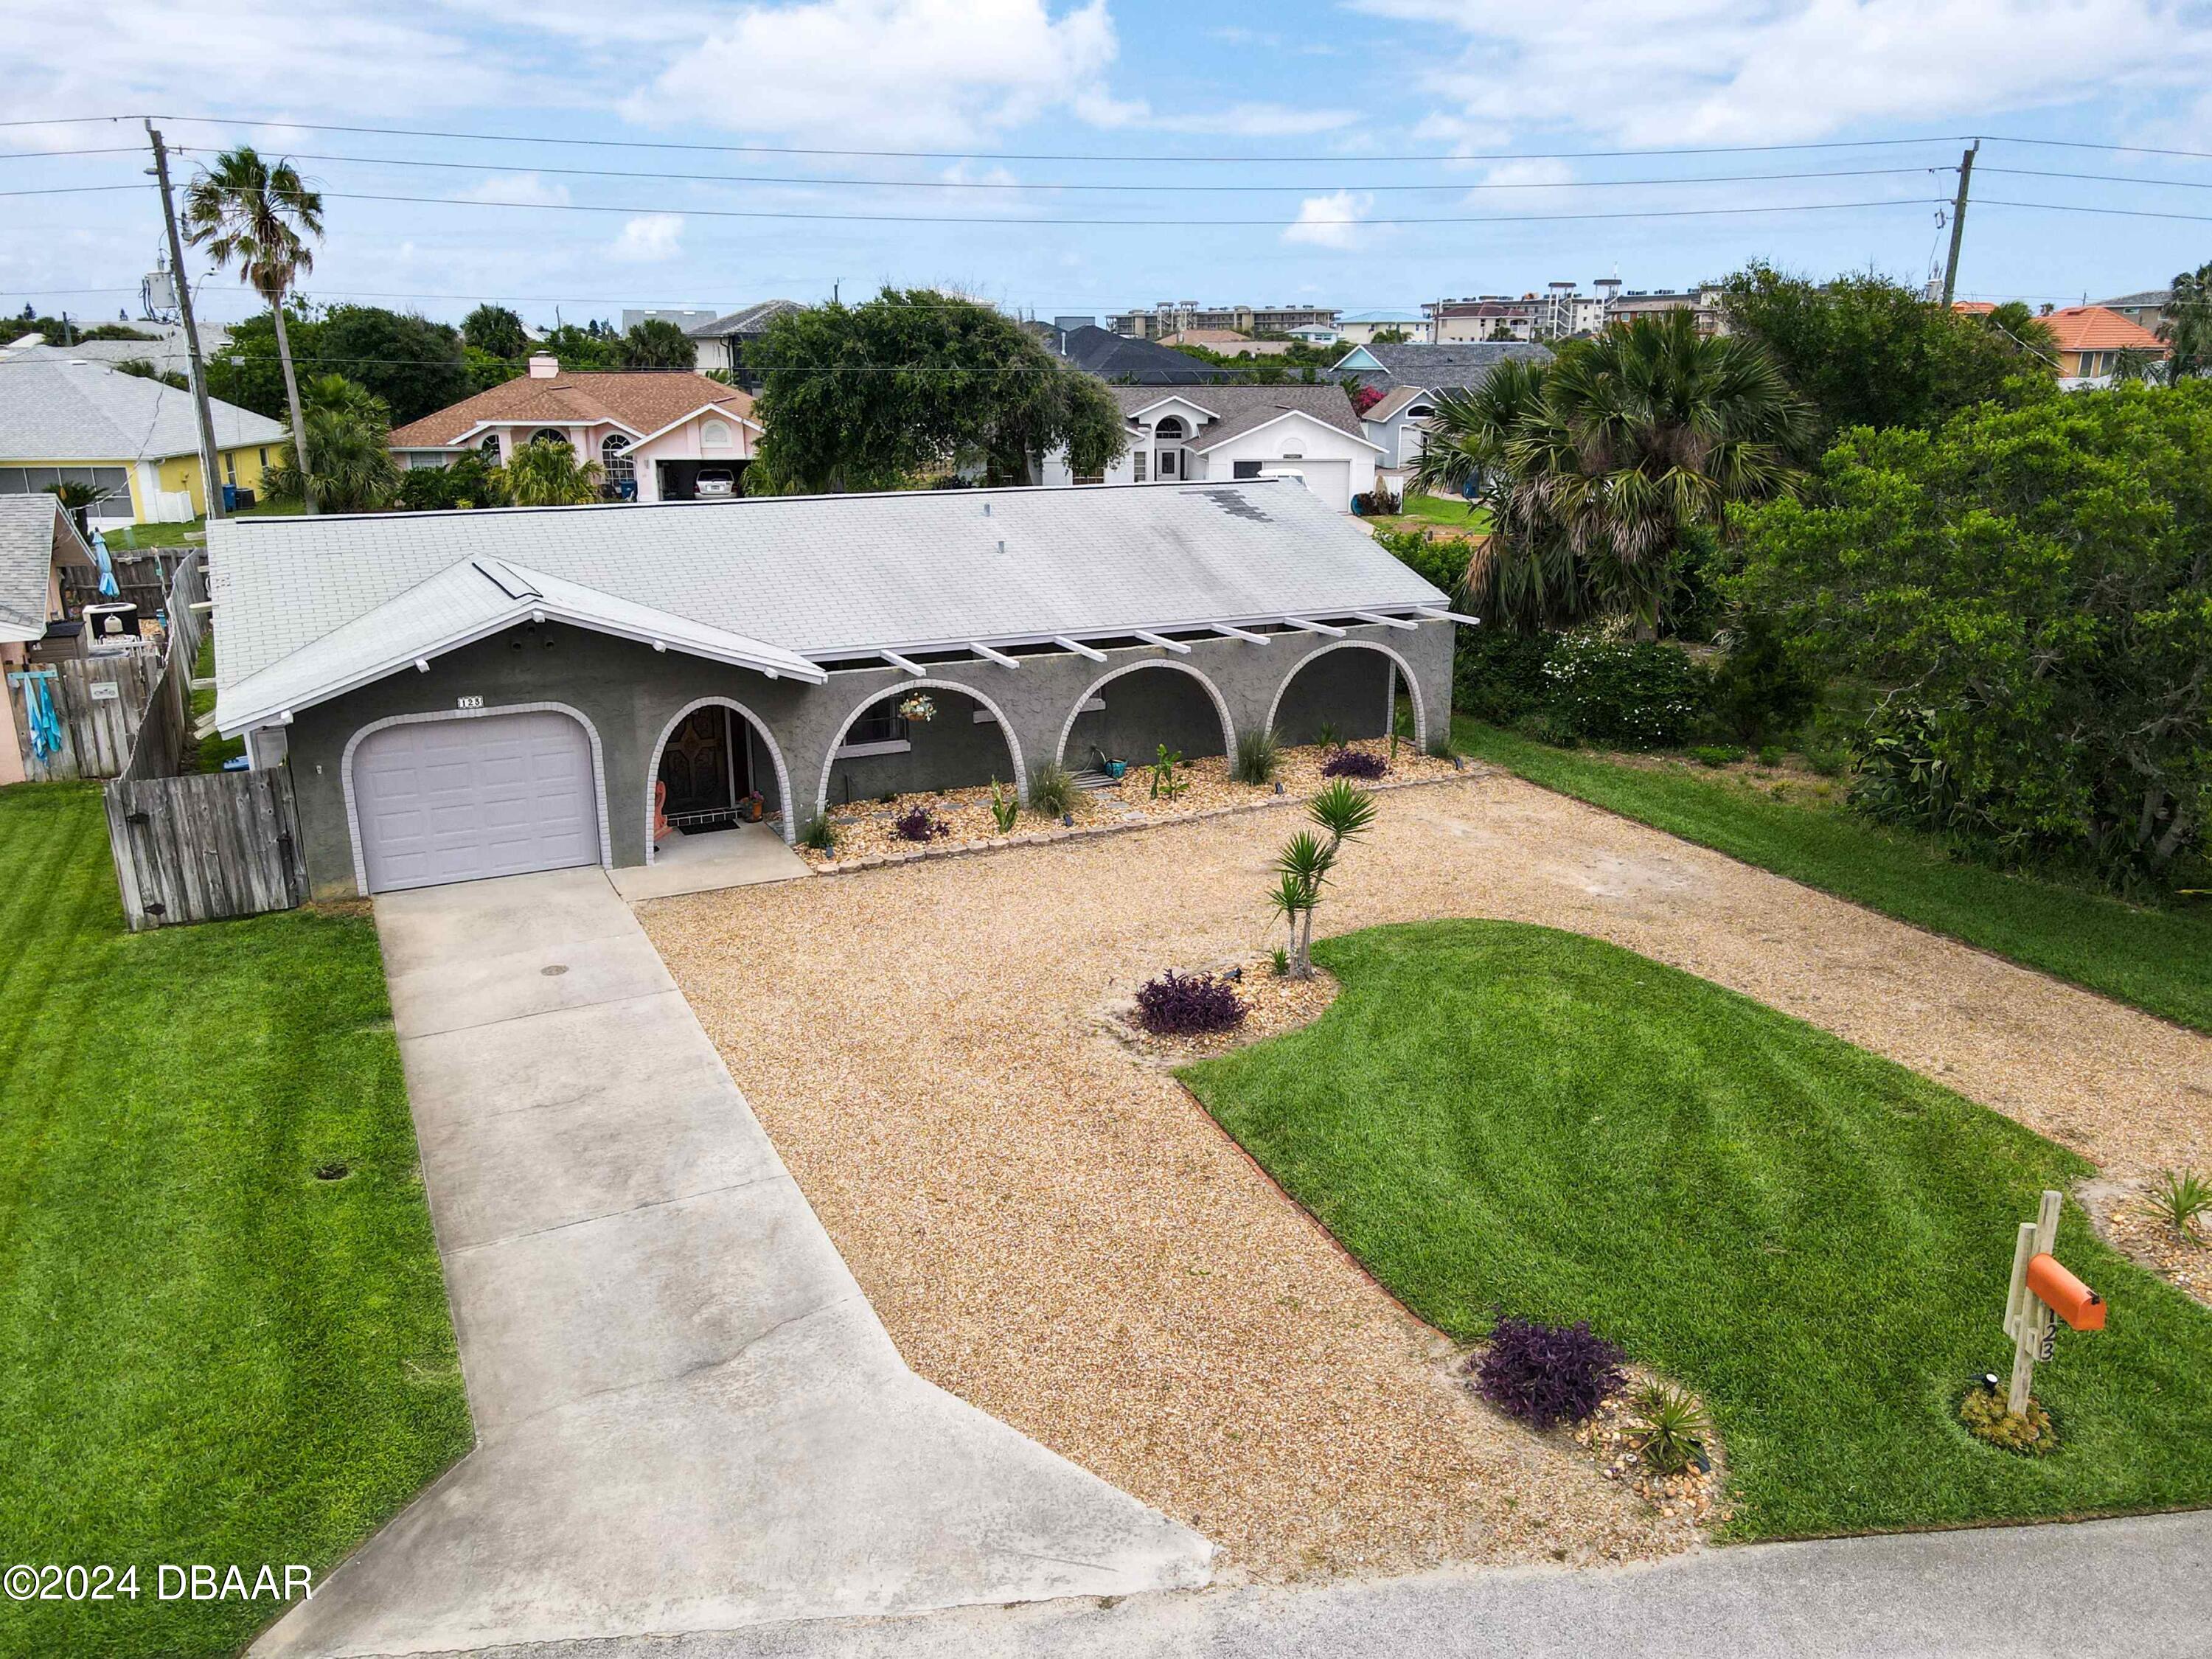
[{"x": 917, "y": 708}]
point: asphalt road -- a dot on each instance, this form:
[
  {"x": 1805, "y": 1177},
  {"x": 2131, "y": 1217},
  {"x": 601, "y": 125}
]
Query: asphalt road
[{"x": 2136, "y": 1587}]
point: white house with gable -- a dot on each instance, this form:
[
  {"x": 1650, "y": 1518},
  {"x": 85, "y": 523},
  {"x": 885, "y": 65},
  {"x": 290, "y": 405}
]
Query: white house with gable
[{"x": 1195, "y": 434}]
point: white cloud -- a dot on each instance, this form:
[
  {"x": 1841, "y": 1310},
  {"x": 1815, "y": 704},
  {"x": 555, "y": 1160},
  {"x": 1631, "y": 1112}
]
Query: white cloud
[
  {"x": 885, "y": 73},
  {"x": 1261, "y": 121},
  {"x": 648, "y": 239},
  {"x": 1517, "y": 186},
  {"x": 1330, "y": 220},
  {"x": 533, "y": 188},
  {"x": 1709, "y": 71}
]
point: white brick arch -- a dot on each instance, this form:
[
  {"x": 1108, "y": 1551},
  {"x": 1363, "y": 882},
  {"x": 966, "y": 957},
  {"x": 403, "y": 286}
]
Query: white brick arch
[
  {"x": 1413, "y": 685},
  {"x": 1005, "y": 729},
  {"x": 760, "y": 725},
  {"x": 1221, "y": 703}
]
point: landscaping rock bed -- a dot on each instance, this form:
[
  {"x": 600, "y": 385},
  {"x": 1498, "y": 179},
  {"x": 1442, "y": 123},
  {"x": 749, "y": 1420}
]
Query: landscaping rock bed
[
  {"x": 2123, "y": 1214},
  {"x": 868, "y": 830},
  {"x": 1273, "y": 1003}
]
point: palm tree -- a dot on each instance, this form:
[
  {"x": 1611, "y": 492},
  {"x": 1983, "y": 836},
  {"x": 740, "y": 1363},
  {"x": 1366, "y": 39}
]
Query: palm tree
[
  {"x": 349, "y": 428},
  {"x": 547, "y": 473},
  {"x": 2188, "y": 325},
  {"x": 260, "y": 216},
  {"x": 1596, "y": 465}
]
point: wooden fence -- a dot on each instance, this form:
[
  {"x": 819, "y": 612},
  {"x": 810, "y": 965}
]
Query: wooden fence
[
  {"x": 99, "y": 703},
  {"x": 208, "y": 846}
]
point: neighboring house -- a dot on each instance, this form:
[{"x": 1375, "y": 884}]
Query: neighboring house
[
  {"x": 37, "y": 538},
  {"x": 1399, "y": 425},
  {"x": 1360, "y": 327},
  {"x": 166, "y": 351},
  {"x": 722, "y": 341},
  {"x": 661, "y": 435},
  {"x": 1175, "y": 317},
  {"x": 2145, "y": 308},
  {"x": 1238, "y": 432},
  {"x": 63, "y": 416},
  {"x": 686, "y": 321},
  {"x": 1409, "y": 377},
  {"x": 1317, "y": 334},
  {"x": 462, "y": 695},
  {"x": 1131, "y": 362},
  {"x": 2090, "y": 339},
  {"x": 1228, "y": 341}
]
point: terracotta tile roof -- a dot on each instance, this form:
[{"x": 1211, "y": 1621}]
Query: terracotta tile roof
[
  {"x": 2093, "y": 328},
  {"x": 1974, "y": 308},
  {"x": 643, "y": 400}
]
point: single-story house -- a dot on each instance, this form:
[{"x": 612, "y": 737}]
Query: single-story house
[
  {"x": 1460, "y": 366},
  {"x": 67, "y": 418},
  {"x": 722, "y": 341},
  {"x": 460, "y": 695},
  {"x": 1131, "y": 362},
  {"x": 2090, "y": 341},
  {"x": 1235, "y": 432},
  {"x": 37, "y": 538},
  {"x": 1399, "y": 423},
  {"x": 1360, "y": 327},
  {"x": 661, "y": 435}
]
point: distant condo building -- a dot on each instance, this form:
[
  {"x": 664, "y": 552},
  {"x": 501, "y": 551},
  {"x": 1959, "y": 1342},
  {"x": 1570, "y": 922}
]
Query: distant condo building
[
  {"x": 1562, "y": 312},
  {"x": 1185, "y": 316}
]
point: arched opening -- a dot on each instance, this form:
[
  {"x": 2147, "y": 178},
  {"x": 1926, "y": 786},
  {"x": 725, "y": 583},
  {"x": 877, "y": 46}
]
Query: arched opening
[
  {"x": 1170, "y": 459},
  {"x": 715, "y": 757},
  {"x": 1127, "y": 714},
  {"x": 490, "y": 447},
  {"x": 1351, "y": 687},
  {"x": 620, "y": 471},
  {"x": 921, "y": 736},
  {"x": 547, "y": 435}
]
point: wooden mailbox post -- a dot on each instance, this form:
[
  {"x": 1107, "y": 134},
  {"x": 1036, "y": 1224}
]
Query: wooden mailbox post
[{"x": 2042, "y": 1293}]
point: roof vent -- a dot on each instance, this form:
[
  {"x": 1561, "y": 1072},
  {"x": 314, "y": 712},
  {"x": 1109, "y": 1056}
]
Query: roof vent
[
  {"x": 544, "y": 366},
  {"x": 986, "y": 509}
]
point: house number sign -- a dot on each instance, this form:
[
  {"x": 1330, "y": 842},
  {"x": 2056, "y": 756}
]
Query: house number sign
[{"x": 470, "y": 703}]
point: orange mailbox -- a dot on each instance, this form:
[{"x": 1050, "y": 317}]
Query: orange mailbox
[{"x": 2081, "y": 1307}]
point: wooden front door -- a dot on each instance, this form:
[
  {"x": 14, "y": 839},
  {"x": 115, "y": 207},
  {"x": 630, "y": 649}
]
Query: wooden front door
[{"x": 704, "y": 765}]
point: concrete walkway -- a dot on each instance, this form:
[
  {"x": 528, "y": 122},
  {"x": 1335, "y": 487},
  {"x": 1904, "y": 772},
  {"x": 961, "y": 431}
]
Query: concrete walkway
[
  {"x": 743, "y": 855},
  {"x": 2100, "y": 1590},
  {"x": 688, "y": 1416}
]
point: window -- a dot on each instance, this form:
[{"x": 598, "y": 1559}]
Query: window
[
  {"x": 715, "y": 434},
  {"x": 879, "y": 730},
  {"x": 490, "y": 447},
  {"x": 620, "y": 470},
  {"x": 264, "y": 457},
  {"x": 1245, "y": 469},
  {"x": 546, "y": 434},
  {"x": 1418, "y": 412},
  {"x": 1090, "y": 477},
  {"x": 230, "y": 470},
  {"x": 1170, "y": 429},
  {"x": 1138, "y": 460}
]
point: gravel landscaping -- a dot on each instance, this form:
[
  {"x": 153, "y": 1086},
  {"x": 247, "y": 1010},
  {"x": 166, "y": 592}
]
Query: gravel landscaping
[{"x": 1053, "y": 1230}]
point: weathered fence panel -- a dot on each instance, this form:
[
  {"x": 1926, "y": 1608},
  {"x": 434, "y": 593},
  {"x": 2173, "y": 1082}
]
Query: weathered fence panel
[
  {"x": 207, "y": 846},
  {"x": 99, "y": 702}
]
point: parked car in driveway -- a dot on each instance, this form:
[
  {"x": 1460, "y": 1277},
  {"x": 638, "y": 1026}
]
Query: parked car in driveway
[{"x": 716, "y": 481}]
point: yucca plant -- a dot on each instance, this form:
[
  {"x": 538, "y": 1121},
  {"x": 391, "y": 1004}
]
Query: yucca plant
[
  {"x": 1259, "y": 754},
  {"x": 2182, "y": 1199},
  {"x": 1340, "y": 812},
  {"x": 1677, "y": 1429}
]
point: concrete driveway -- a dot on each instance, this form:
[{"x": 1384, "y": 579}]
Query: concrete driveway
[{"x": 689, "y": 1418}]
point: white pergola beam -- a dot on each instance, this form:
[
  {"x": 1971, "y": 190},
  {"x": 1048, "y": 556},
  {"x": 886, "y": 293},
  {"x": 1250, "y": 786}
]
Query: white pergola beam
[
  {"x": 908, "y": 664},
  {"x": 1244, "y": 634},
  {"x": 1314, "y": 626},
  {"x": 1387, "y": 621},
  {"x": 1435, "y": 615},
  {"x": 1164, "y": 642},
  {"x": 989, "y": 655},
  {"x": 1079, "y": 648}
]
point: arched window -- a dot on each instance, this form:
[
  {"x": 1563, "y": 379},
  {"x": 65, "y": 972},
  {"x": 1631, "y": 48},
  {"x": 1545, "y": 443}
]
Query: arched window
[
  {"x": 715, "y": 434},
  {"x": 546, "y": 434},
  {"x": 1170, "y": 429},
  {"x": 620, "y": 470},
  {"x": 1418, "y": 411},
  {"x": 490, "y": 447}
]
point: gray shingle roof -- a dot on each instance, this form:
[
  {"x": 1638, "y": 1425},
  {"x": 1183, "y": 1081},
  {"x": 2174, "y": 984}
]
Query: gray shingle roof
[
  {"x": 54, "y": 407},
  {"x": 818, "y": 576},
  {"x": 34, "y": 530},
  {"x": 2148, "y": 296},
  {"x": 1117, "y": 358},
  {"x": 746, "y": 319},
  {"x": 1240, "y": 408},
  {"x": 1442, "y": 366}
]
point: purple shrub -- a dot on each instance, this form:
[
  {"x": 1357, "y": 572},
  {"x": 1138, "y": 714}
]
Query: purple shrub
[
  {"x": 919, "y": 823},
  {"x": 1547, "y": 1374},
  {"x": 1184, "y": 1005},
  {"x": 1354, "y": 764}
]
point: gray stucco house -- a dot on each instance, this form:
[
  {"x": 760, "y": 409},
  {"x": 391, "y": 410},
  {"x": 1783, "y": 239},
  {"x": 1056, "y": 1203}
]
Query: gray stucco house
[{"x": 460, "y": 695}]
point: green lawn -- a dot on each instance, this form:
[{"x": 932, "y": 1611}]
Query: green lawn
[
  {"x": 2159, "y": 960},
  {"x": 206, "y": 1353},
  {"x": 192, "y": 531},
  {"x": 1428, "y": 512},
  {"x": 1498, "y": 1116}
]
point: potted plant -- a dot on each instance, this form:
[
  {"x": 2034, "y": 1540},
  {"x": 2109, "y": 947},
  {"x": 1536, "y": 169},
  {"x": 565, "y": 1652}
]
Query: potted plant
[
  {"x": 752, "y": 806},
  {"x": 918, "y": 707}
]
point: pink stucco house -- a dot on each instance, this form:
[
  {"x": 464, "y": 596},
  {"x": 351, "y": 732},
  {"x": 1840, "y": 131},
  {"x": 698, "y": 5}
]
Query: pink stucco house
[{"x": 661, "y": 435}]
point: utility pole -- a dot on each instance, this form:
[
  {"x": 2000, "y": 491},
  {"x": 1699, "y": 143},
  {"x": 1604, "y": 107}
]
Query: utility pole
[
  {"x": 1958, "y": 221},
  {"x": 210, "y": 480}
]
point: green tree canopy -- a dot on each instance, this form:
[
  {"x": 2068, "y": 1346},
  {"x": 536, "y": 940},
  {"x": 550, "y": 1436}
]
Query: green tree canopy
[
  {"x": 2187, "y": 325},
  {"x": 2032, "y": 590},
  {"x": 496, "y": 331},
  {"x": 248, "y": 372},
  {"x": 348, "y": 446},
  {"x": 657, "y": 342},
  {"x": 914, "y": 383},
  {"x": 1865, "y": 351},
  {"x": 581, "y": 349},
  {"x": 547, "y": 473},
  {"x": 415, "y": 365}
]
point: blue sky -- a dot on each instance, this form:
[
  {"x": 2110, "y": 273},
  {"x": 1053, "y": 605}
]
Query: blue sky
[{"x": 1313, "y": 101}]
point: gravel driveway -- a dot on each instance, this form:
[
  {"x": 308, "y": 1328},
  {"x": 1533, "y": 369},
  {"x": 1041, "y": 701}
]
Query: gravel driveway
[{"x": 1056, "y": 1233}]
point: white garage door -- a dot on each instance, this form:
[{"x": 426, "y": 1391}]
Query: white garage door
[
  {"x": 458, "y": 799},
  {"x": 1330, "y": 480}
]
